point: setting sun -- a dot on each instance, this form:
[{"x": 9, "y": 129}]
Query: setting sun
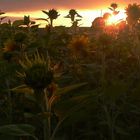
[{"x": 115, "y": 19}]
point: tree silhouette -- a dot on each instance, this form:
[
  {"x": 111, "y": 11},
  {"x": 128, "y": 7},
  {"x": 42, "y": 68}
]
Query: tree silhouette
[{"x": 52, "y": 14}]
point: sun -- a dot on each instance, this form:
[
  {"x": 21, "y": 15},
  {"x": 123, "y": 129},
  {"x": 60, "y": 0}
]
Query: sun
[
  {"x": 115, "y": 19},
  {"x": 112, "y": 20}
]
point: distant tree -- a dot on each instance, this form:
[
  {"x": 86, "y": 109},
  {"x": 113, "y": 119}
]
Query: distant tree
[
  {"x": 133, "y": 14},
  {"x": 113, "y": 7},
  {"x": 72, "y": 15},
  {"x": 52, "y": 15}
]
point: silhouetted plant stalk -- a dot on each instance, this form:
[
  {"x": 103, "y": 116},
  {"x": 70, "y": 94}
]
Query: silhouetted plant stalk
[
  {"x": 103, "y": 70},
  {"x": 9, "y": 101},
  {"x": 104, "y": 42},
  {"x": 72, "y": 15},
  {"x": 44, "y": 104},
  {"x": 38, "y": 75},
  {"x": 42, "y": 100},
  {"x": 110, "y": 121}
]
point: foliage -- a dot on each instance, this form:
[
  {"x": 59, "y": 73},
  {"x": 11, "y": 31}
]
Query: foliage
[
  {"x": 72, "y": 15},
  {"x": 113, "y": 8},
  {"x": 52, "y": 14},
  {"x": 70, "y": 85},
  {"x": 133, "y": 13}
]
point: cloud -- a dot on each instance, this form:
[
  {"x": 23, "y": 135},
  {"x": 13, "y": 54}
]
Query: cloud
[{"x": 30, "y": 5}]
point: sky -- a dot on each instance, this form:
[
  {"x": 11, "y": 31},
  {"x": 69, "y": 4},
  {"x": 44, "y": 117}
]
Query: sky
[{"x": 89, "y": 9}]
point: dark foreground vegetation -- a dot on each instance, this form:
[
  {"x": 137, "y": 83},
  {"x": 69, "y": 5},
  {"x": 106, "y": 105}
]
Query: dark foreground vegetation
[{"x": 69, "y": 83}]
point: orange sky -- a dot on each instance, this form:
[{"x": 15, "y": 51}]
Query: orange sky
[
  {"x": 89, "y": 9},
  {"x": 88, "y": 16}
]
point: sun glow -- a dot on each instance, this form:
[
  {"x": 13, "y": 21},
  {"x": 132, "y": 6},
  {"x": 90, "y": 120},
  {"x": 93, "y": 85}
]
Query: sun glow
[
  {"x": 88, "y": 17},
  {"x": 115, "y": 19}
]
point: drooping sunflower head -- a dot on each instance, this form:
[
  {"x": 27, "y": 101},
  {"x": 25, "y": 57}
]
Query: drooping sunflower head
[{"x": 37, "y": 72}]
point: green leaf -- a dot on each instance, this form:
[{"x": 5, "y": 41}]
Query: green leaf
[
  {"x": 111, "y": 9},
  {"x": 30, "y": 97},
  {"x": 28, "y": 115},
  {"x": 32, "y": 22},
  {"x": 42, "y": 19},
  {"x": 69, "y": 106},
  {"x": 121, "y": 131},
  {"x": 68, "y": 16},
  {"x": 44, "y": 115},
  {"x": 18, "y": 130},
  {"x": 45, "y": 12},
  {"x": 35, "y": 26},
  {"x": 18, "y": 23},
  {"x": 67, "y": 89},
  {"x": 22, "y": 89}
]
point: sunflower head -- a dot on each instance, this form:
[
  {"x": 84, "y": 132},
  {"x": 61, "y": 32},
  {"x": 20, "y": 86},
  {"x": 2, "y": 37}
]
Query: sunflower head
[
  {"x": 10, "y": 46},
  {"x": 37, "y": 72},
  {"x": 78, "y": 45}
]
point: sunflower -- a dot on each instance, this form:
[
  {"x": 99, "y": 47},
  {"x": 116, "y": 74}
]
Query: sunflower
[
  {"x": 78, "y": 45},
  {"x": 37, "y": 73},
  {"x": 10, "y": 46}
]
